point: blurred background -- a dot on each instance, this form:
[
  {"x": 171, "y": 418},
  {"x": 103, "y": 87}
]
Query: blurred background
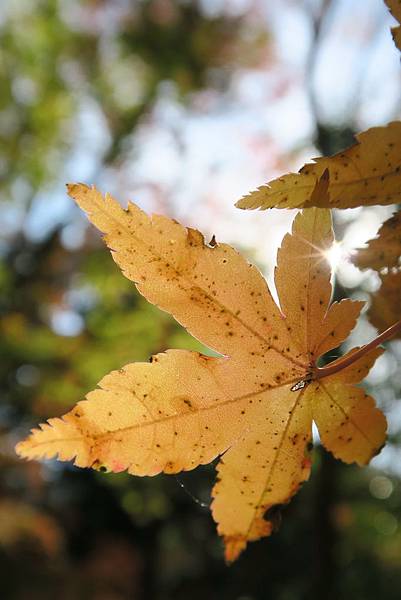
[{"x": 182, "y": 106}]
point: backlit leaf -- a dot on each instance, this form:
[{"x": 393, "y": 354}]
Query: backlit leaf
[
  {"x": 254, "y": 405},
  {"x": 383, "y": 250},
  {"x": 345, "y": 416},
  {"x": 385, "y": 309},
  {"x": 367, "y": 173}
]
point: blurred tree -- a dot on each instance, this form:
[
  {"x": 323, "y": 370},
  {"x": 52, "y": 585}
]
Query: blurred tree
[{"x": 57, "y": 57}]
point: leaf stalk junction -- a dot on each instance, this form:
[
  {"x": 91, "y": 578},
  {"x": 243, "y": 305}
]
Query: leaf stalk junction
[{"x": 335, "y": 367}]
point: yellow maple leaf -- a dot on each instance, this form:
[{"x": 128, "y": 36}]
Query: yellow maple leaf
[
  {"x": 395, "y": 9},
  {"x": 367, "y": 173},
  {"x": 385, "y": 308},
  {"x": 383, "y": 250},
  {"x": 254, "y": 405}
]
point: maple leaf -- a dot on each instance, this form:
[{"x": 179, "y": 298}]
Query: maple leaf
[
  {"x": 383, "y": 250},
  {"x": 254, "y": 405},
  {"x": 395, "y": 9},
  {"x": 367, "y": 173},
  {"x": 383, "y": 254},
  {"x": 385, "y": 306}
]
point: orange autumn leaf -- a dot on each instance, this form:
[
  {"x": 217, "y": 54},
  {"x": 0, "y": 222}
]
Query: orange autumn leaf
[
  {"x": 385, "y": 308},
  {"x": 395, "y": 9},
  {"x": 383, "y": 250},
  {"x": 367, "y": 173},
  {"x": 383, "y": 254},
  {"x": 254, "y": 405}
]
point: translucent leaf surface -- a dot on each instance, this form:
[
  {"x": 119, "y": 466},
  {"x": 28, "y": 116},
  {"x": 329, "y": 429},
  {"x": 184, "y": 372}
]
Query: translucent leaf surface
[
  {"x": 383, "y": 250},
  {"x": 255, "y": 404},
  {"x": 385, "y": 308},
  {"x": 367, "y": 173}
]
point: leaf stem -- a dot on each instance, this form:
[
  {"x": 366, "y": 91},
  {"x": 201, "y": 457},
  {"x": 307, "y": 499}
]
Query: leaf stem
[{"x": 339, "y": 365}]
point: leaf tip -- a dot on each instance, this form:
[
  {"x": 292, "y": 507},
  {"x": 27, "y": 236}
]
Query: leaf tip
[
  {"x": 24, "y": 448},
  {"x": 234, "y": 546},
  {"x": 240, "y": 203},
  {"x": 73, "y": 189},
  {"x": 20, "y": 449}
]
